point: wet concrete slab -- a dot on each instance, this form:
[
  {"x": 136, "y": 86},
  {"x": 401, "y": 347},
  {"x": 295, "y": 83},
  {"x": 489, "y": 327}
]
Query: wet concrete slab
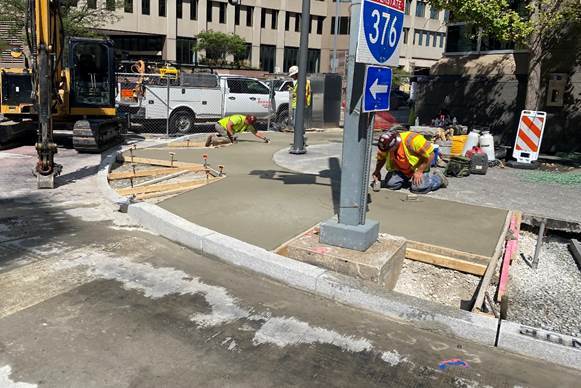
[{"x": 266, "y": 205}]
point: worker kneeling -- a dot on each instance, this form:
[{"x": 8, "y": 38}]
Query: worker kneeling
[
  {"x": 407, "y": 156},
  {"x": 230, "y": 126}
]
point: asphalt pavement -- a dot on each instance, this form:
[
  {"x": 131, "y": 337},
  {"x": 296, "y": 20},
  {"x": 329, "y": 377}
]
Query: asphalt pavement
[{"x": 89, "y": 299}]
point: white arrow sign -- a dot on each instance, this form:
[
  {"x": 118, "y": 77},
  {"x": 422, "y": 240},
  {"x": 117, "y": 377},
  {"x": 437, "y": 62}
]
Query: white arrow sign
[{"x": 377, "y": 88}]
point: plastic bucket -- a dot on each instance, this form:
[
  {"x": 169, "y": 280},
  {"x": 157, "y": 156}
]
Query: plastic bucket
[{"x": 458, "y": 144}]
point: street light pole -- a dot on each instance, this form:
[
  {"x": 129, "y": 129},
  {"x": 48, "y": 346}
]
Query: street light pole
[
  {"x": 298, "y": 146},
  {"x": 334, "y": 64}
]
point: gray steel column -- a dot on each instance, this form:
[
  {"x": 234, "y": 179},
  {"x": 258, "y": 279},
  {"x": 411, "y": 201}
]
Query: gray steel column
[
  {"x": 352, "y": 230},
  {"x": 334, "y": 64},
  {"x": 298, "y": 146}
]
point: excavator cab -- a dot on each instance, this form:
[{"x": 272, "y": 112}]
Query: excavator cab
[
  {"x": 92, "y": 73},
  {"x": 16, "y": 95}
]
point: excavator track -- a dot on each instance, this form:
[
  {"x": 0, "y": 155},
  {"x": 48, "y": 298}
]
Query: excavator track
[{"x": 96, "y": 135}]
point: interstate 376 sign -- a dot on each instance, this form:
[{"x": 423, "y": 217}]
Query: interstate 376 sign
[{"x": 380, "y": 30}]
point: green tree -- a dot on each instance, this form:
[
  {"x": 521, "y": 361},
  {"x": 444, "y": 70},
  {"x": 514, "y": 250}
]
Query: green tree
[
  {"x": 535, "y": 24},
  {"x": 218, "y": 45},
  {"x": 78, "y": 18}
]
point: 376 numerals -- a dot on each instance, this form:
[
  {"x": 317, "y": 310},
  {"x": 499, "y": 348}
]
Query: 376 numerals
[{"x": 380, "y": 28}]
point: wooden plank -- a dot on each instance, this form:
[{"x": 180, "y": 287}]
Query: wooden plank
[
  {"x": 174, "y": 191},
  {"x": 163, "y": 187},
  {"x": 446, "y": 261},
  {"x": 156, "y": 162},
  {"x": 167, "y": 192},
  {"x": 113, "y": 176},
  {"x": 186, "y": 144},
  {"x": 443, "y": 251},
  {"x": 283, "y": 248},
  {"x": 491, "y": 268},
  {"x": 509, "y": 254}
]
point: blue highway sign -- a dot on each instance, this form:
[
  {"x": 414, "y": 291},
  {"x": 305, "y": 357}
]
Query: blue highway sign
[
  {"x": 380, "y": 31},
  {"x": 377, "y": 89}
]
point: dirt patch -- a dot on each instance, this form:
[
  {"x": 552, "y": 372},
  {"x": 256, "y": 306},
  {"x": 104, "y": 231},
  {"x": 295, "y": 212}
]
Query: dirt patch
[{"x": 436, "y": 284}]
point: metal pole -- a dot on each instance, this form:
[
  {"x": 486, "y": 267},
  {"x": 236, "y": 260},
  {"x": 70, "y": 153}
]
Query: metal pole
[
  {"x": 298, "y": 146},
  {"x": 353, "y": 230},
  {"x": 539, "y": 244},
  {"x": 167, "y": 109},
  {"x": 334, "y": 64}
]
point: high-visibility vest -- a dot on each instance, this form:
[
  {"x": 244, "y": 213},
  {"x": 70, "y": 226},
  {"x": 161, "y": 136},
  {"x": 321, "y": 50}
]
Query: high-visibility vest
[
  {"x": 295, "y": 94},
  {"x": 238, "y": 123},
  {"x": 414, "y": 146}
]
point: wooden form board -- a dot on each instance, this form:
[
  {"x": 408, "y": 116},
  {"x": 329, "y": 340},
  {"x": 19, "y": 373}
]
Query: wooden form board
[
  {"x": 164, "y": 187},
  {"x": 156, "y": 162},
  {"x": 445, "y": 261},
  {"x": 491, "y": 268},
  {"x": 152, "y": 172},
  {"x": 509, "y": 255}
]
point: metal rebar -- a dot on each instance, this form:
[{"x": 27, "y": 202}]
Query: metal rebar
[{"x": 539, "y": 244}]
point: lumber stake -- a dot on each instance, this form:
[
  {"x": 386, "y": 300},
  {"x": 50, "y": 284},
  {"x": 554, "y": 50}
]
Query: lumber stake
[{"x": 575, "y": 248}]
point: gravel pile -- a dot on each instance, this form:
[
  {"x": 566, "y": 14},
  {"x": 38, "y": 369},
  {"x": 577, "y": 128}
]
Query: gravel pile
[
  {"x": 549, "y": 297},
  {"x": 436, "y": 284}
]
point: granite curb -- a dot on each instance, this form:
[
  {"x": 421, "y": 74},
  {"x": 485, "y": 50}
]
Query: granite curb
[{"x": 422, "y": 314}]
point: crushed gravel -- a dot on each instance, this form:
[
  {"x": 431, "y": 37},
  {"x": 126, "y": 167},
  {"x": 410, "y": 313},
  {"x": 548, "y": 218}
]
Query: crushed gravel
[
  {"x": 549, "y": 297},
  {"x": 436, "y": 284}
]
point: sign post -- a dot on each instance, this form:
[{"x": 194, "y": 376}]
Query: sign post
[{"x": 374, "y": 36}]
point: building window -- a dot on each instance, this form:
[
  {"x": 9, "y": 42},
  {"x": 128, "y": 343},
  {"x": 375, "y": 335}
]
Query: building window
[
  {"x": 435, "y": 37},
  {"x": 179, "y": 8},
  {"x": 408, "y": 6},
  {"x": 418, "y": 37},
  {"x": 405, "y": 35},
  {"x": 421, "y": 9},
  {"x": 442, "y": 39},
  {"x": 343, "y": 25},
  {"x": 92, "y": 4},
  {"x": 128, "y": 8},
  {"x": 110, "y": 5},
  {"x": 291, "y": 55},
  {"x": 287, "y": 21},
  {"x": 311, "y": 24},
  {"x": 263, "y": 18},
  {"x": 267, "y": 57},
  {"x": 320, "y": 20},
  {"x": 297, "y": 22},
  {"x": 446, "y": 16},
  {"x": 209, "y": 7},
  {"x": 222, "y": 13},
  {"x": 427, "y": 34},
  {"x": 193, "y": 9},
  {"x": 237, "y": 16},
  {"x": 462, "y": 38},
  {"x": 145, "y": 7},
  {"x": 434, "y": 13},
  {"x": 273, "y": 19},
  {"x": 313, "y": 60},
  {"x": 161, "y": 7},
  {"x": 185, "y": 50},
  {"x": 249, "y": 14}
]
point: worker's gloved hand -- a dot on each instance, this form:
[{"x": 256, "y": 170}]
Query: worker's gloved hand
[
  {"x": 266, "y": 140},
  {"x": 377, "y": 175}
]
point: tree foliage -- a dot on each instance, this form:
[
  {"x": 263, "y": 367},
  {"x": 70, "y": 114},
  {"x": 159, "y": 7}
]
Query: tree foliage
[
  {"x": 511, "y": 20},
  {"x": 78, "y": 18},
  {"x": 218, "y": 45}
]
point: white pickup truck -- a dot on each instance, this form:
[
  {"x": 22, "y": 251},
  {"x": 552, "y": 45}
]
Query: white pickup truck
[{"x": 202, "y": 97}]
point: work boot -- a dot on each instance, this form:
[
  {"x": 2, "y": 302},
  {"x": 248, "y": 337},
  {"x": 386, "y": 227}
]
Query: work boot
[
  {"x": 442, "y": 177},
  {"x": 209, "y": 140}
]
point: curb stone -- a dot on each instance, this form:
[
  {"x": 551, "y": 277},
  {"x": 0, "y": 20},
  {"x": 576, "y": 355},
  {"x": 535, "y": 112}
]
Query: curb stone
[{"x": 422, "y": 314}]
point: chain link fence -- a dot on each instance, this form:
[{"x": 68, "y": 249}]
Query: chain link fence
[{"x": 175, "y": 104}]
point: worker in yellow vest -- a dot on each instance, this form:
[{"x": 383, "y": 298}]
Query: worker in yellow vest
[
  {"x": 293, "y": 72},
  {"x": 230, "y": 126},
  {"x": 407, "y": 157}
]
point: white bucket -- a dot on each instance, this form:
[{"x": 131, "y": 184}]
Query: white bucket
[
  {"x": 471, "y": 141},
  {"x": 487, "y": 145}
]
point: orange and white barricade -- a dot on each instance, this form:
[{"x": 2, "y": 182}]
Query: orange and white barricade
[{"x": 529, "y": 135}]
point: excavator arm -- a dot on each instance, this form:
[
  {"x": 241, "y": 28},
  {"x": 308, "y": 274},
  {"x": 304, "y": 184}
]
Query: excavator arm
[{"x": 45, "y": 39}]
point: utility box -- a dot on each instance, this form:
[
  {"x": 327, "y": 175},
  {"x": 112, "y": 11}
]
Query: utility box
[
  {"x": 326, "y": 100},
  {"x": 556, "y": 92}
]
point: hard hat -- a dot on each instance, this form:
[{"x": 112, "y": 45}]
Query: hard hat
[
  {"x": 388, "y": 140},
  {"x": 293, "y": 70},
  {"x": 250, "y": 119}
]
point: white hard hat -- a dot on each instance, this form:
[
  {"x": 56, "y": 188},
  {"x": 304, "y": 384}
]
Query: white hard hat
[{"x": 293, "y": 70}]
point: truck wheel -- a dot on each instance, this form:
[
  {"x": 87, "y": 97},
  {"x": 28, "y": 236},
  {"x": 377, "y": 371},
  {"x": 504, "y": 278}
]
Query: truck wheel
[
  {"x": 282, "y": 118},
  {"x": 181, "y": 121}
]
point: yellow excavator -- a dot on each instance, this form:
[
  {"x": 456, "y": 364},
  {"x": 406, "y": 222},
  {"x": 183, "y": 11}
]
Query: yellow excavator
[{"x": 71, "y": 88}]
